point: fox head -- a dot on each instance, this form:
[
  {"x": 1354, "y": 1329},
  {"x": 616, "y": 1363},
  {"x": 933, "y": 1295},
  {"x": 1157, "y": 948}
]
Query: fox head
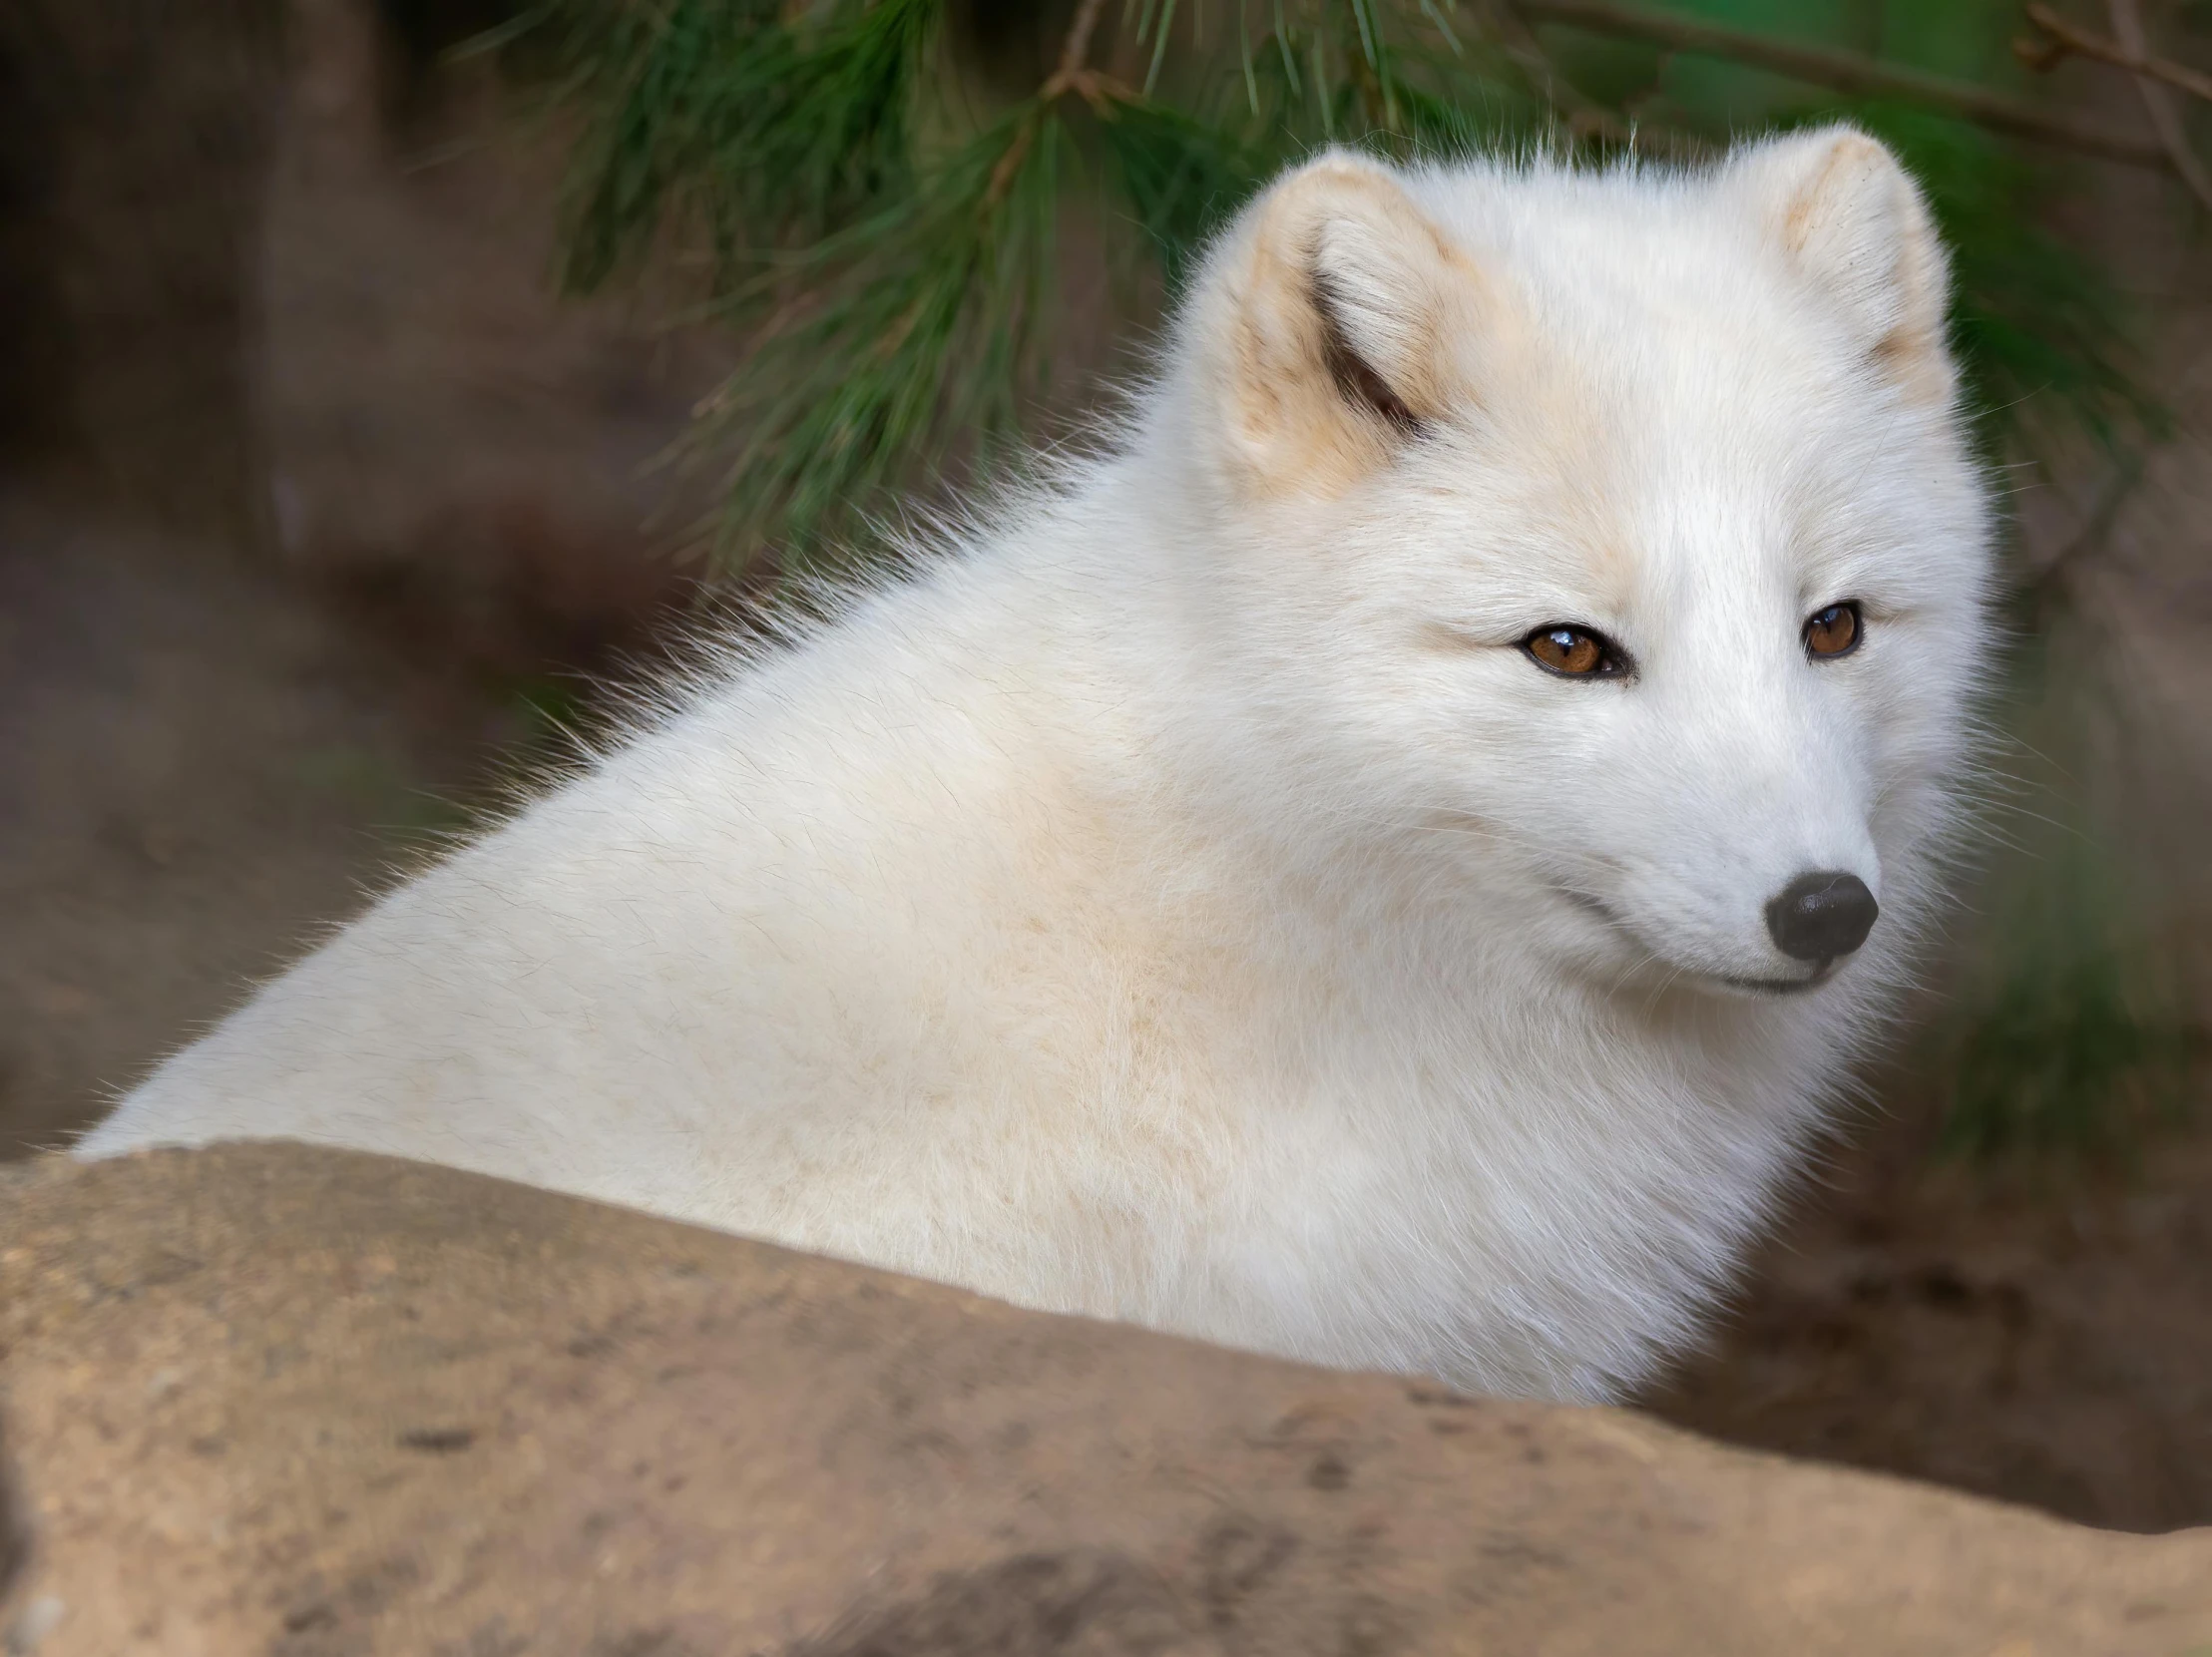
[{"x": 1608, "y": 540}]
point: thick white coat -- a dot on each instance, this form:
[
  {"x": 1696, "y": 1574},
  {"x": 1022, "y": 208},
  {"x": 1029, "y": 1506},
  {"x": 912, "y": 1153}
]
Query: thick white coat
[{"x": 1187, "y": 902}]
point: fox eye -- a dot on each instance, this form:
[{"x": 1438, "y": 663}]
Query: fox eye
[
  {"x": 1575, "y": 653},
  {"x": 1833, "y": 631}
]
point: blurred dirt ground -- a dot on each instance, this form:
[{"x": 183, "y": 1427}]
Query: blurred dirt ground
[
  {"x": 2045, "y": 1338},
  {"x": 203, "y": 765}
]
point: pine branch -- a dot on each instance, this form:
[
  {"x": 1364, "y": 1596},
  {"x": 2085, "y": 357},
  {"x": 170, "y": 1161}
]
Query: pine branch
[
  {"x": 905, "y": 340},
  {"x": 2067, "y": 39},
  {"x": 1076, "y": 47},
  {"x": 2165, "y": 120},
  {"x": 886, "y": 252},
  {"x": 761, "y": 127},
  {"x": 1852, "y": 73}
]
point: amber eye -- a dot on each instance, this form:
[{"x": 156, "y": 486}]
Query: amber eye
[
  {"x": 1833, "y": 631},
  {"x": 1575, "y": 653}
]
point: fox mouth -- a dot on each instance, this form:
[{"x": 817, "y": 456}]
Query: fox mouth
[
  {"x": 1767, "y": 987},
  {"x": 1777, "y": 985}
]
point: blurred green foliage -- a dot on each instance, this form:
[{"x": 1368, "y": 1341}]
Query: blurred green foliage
[
  {"x": 2067, "y": 1034},
  {"x": 883, "y": 230},
  {"x": 882, "y": 227}
]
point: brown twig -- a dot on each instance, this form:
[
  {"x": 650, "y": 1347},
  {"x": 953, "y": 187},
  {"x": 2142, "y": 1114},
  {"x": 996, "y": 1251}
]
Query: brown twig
[
  {"x": 1851, "y": 72},
  {"x": 2064, "y": 39},
  {"x": 1093, "y": 87},
  {"x": 1076, "y": 47},
  {"x": 2165, "y": 120},
  {"x": 1010, "y": 161},
  {"x": 1069, "y": 75}
]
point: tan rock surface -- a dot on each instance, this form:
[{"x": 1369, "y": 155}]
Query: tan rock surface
[{"x": 271, "y": 1401}]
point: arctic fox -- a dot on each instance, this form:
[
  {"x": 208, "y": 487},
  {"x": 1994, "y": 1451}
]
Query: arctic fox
[{"x": 1382, "y": 866}]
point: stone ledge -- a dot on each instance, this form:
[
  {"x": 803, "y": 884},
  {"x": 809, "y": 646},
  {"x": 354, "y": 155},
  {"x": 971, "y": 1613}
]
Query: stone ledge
[{"x": 309, "y": 1404}]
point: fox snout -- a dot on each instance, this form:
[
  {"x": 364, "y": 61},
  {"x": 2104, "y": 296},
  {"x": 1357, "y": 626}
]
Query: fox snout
[{"x": 1821, "y": 915}]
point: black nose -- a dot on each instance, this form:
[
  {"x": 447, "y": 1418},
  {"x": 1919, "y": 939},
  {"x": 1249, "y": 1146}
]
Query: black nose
[{"x": 1820, "y": 916}]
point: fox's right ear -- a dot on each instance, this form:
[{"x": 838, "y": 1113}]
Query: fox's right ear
[
  {"x": 1850, "y": 218},
  {"x": 1326, "y": 327}
]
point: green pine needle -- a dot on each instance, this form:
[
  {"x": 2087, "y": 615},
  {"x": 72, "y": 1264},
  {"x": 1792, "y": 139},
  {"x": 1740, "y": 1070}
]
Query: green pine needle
[
  {"x": 892, "y": 347},
  {"x": 812, "y": 153},
  {"x": 759, "y": 129}
]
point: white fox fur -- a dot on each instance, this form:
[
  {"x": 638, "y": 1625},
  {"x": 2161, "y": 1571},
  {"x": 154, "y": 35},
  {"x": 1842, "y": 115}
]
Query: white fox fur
[{"x": 1187, "y": 902}]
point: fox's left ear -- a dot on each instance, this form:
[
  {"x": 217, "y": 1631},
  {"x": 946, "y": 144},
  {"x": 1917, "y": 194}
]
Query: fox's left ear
[
  {"x": 1852, "y": 221},
  {"x": 1334, "y": 325}
]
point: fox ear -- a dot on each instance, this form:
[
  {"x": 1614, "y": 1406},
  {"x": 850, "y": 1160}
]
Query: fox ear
[
  {"x": 1326, "y": 324},
  {"x": 1851, "y": 219}
]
